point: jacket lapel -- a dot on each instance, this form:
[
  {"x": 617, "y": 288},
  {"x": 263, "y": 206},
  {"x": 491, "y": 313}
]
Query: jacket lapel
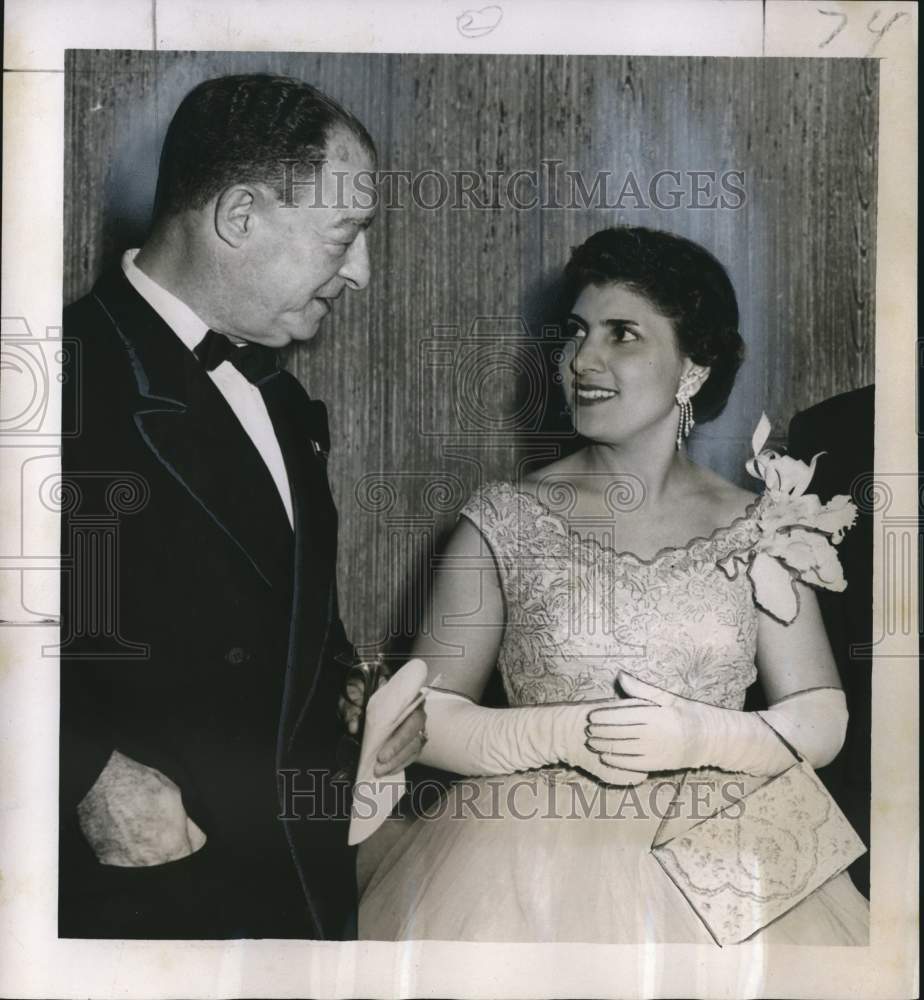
[
  {"x": 301, "y": 427},
  {"x": 192, "y": 431}
]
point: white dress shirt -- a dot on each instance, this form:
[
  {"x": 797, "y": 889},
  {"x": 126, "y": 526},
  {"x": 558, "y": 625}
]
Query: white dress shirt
[{"x": 242, "y": 396}]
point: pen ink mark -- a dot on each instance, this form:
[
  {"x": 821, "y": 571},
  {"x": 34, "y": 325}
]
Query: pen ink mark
[
  {"x": 478, "y": 23},
  {"x": 870, "y": 26},
  {"x": 880, "y": 32},
  {"x": 837, "y": 30}
]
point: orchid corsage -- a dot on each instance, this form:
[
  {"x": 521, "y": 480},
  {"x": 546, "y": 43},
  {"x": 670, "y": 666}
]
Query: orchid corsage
[{"x": 797, "y": 532}]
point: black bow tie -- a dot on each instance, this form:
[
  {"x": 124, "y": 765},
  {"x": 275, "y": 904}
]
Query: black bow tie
[{"x": 254, "y": 361}]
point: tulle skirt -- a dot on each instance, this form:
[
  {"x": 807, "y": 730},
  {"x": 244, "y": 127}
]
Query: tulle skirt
[{"x": 552, "y": 856}]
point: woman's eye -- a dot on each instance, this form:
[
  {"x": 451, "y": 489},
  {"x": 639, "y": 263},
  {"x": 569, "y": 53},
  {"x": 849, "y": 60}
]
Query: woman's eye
[
  {"x": 624, "y": 335},
  {"x": 573, "y": 330}
]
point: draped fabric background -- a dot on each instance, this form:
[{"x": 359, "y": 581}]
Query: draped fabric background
[{"x": 434, "y": 375}]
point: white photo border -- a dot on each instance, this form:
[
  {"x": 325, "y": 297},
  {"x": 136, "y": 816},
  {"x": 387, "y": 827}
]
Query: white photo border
[{"x": 33, "y": 961}]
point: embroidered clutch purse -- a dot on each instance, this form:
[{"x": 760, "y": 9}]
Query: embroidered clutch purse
[{"x": 755, "y": 859}]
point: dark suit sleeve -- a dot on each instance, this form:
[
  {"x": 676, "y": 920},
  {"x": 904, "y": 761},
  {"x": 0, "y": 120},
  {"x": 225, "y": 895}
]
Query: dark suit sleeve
[
  {"x": 804, "y": 443},
  {"x": 341, "y": 649},
  {"x": 807, "y": 435},
  {"x": 796, "y": 437},
  {"x": 86, "y": 720},
  {"x": 340, "y": 656},
  {"x": 87, "y": 739}
]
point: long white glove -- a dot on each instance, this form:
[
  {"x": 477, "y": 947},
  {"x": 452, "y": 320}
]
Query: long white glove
[
  {"x": 469, "y": 739},
  {"x": 655, "y": 730}
]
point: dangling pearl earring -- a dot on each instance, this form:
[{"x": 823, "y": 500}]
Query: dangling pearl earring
[{"x": 686, "y": 416}]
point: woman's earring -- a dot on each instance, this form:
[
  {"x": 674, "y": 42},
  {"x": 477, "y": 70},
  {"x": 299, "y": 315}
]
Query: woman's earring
[{"x": 686, "y": 417}]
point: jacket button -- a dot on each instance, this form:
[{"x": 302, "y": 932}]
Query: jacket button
[{"x": 236, "y": 655}]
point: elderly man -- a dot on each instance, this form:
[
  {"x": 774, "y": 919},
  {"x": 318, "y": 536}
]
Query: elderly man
[{"x": 188, "y": 719}]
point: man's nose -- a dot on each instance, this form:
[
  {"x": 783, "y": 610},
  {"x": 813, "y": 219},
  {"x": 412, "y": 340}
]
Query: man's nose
[{"x": 356, "y": 267}]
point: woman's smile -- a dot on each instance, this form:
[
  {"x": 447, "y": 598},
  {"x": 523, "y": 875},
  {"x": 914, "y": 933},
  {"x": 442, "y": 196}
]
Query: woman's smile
[{"x": 587, "y": 394}]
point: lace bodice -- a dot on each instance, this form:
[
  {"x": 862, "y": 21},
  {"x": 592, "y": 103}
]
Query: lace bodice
[{"x": 578, "y": 612}]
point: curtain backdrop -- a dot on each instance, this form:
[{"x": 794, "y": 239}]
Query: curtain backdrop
[{"x": 435, "y": 375}]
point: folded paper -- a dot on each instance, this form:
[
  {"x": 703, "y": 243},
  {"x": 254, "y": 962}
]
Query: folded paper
[{"x": 374, "y": 798}]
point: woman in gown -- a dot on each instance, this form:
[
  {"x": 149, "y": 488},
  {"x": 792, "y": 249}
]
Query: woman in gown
[{"x": 629, "y": 598}]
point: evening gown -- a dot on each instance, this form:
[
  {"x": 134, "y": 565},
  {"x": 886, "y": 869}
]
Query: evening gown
[{"x": 522, "y": 857}]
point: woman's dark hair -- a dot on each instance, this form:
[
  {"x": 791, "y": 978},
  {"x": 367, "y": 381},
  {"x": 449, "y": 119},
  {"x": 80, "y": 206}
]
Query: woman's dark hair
[
  {"x": 685, "y": 283},
  {"x": 236, "y": 129}
]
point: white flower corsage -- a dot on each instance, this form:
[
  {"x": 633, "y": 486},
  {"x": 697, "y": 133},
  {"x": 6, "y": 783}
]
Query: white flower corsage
[{"x": 796, "y": 532}]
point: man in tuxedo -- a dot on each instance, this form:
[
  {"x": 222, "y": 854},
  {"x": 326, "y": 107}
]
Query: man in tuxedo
[
  {"x": 203, "y": 654},
  {"x": 842, "y": 427}
]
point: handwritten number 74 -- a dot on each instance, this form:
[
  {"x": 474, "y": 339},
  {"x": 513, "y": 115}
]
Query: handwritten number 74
[{"x": 870, "y": 26}]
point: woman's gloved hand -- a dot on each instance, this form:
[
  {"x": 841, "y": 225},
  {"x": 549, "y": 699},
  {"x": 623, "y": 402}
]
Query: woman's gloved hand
[{"x": 656, "y": 730}]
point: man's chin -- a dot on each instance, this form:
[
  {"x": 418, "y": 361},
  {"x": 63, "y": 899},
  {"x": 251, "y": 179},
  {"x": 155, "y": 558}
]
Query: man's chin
[
  {"x": 307, "y": 331},
  {"x": 298, "y": 333}
]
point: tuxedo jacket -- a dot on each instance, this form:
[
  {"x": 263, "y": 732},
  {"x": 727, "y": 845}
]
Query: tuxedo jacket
[
  {"x": 200, "y": 636},
  {"x": 843, "y": 428}
]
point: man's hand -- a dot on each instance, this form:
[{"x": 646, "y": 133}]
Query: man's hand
[
  {"x": 404, "y": 745},
  {"x": 133, "y": 816},
  {"x": 354, "y": 694}
]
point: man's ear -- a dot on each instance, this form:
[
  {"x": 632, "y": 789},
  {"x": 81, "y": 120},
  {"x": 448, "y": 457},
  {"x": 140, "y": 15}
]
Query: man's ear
[
  {"x": 235, "y": 214},
  {"x": 693, "y": 376}
]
